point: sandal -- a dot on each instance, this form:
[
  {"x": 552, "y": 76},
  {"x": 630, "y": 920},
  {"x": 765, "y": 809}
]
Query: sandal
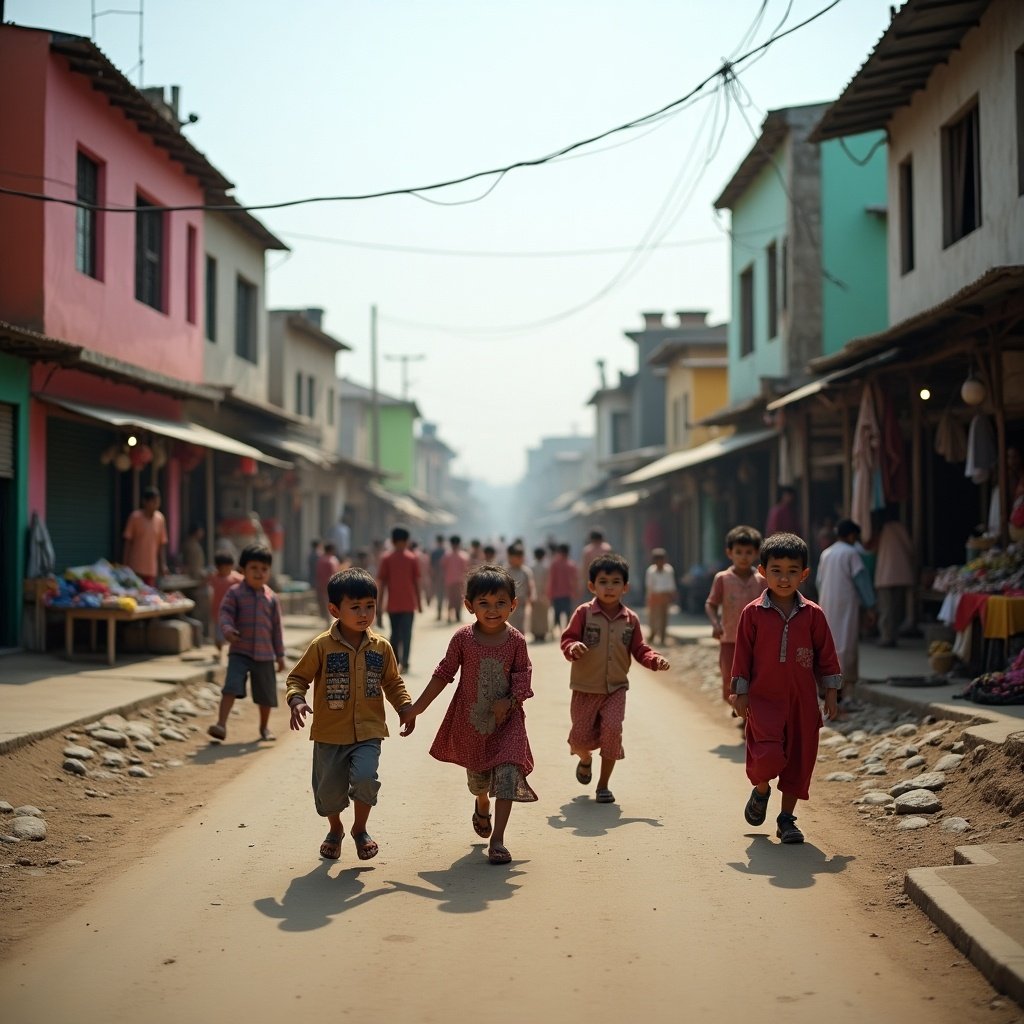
[
  {"x": 267, "y": 735},
  {"x": 757, "y": 807},
  {"x": 787, "y": 829},
  {"x": 366, "y": 848},
  {"x": 332, "y": 841},
  {"x": 217, "y": 731},
  {"x": 584, "y": 773},
  {"x": 481, "y": 824},
  {"x": 604, "y": 796},
  {"x": 499, "y": 855}
]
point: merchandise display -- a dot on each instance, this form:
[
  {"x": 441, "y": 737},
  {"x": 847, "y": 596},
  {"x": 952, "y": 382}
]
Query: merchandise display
[{"x": 103, "y": 585}]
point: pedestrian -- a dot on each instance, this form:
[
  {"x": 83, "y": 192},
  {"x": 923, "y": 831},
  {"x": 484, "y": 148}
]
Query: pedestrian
[
  {"x": 844, "y": 587},
  {"x": 327, "y": 565},
  {"x": 250, "y": 619},
  {"x": 732, "y": 590},
  {"x": 312, "y": 557},
  {"x": 454, "y": 567},
  {"x": 437, "y": 554},
  {"x": 145, "y": 539},
  {"x": 484, "y": 728},
  {"x": 476, "y": 554},
  {"x": 351, "y": 670},
  {"x": 540, "y": 607},
  {"x": 398, "y": 584},
  {"x": 602, "y": 638},
  {"x": 784, "y": 651},
  {"x": 340, "y": 535},
  {"x": 523, "y": 576},
  {"x": 221, "y": 580},
  {"x": 596, "y": 545},
  {"x": 783, "y": 516},
  {"x": 660, "y": 591},
  {"x": 894, "y": 578},
  {"x": 562, "y": 583}
]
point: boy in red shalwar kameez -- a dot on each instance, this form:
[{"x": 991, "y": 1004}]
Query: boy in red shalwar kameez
[{"x": 783, "y": 650}]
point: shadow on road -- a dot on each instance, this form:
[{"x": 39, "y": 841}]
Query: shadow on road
[
  {"x": 735, "y": 752},
  {"x": 789, "y": 867},
  {"x": 586, "y": 817},
  {"x": 470, "y": 885},
  {"x": 219, "y": 751},
  {"x": 312, "y": 900}
]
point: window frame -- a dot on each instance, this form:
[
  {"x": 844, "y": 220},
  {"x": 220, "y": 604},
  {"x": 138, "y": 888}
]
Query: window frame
[
  {"x": 246, "y": 320},
  {"x": 905, "y": 172},
  {"x": 191, "y": 285},
  {"x": 210, "y": 299},
  {"x": 88, "y": 223},
  {"x": 961, "y": 174},
  {"x": 772, "y": 257},
  {"x": 746, "y": 311},
  {"x": 150, "y": 253}
]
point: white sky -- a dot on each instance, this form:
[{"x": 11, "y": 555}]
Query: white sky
[{"x": 318, "y": 97}]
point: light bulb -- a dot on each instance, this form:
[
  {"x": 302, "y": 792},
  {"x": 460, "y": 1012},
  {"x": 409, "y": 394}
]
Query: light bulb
[
  {"x": 972, "y": 391},
  {"x": 132, "y": 441},
  {"x": 925, "y": 394}
]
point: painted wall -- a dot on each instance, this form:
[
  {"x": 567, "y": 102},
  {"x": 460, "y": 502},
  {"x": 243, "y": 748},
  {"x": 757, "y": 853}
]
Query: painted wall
[
  {"x": 14, "y": 390},
  {"x": 397, "y": 446},
  {"x": 708, "y": 391},
  {"x": 983, "y": 67},
  {"x": 853, "y": 241}
]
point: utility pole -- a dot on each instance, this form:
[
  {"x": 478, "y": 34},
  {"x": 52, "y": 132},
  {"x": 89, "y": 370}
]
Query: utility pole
[
  {"x": 405, "y": 359},
  {"x": 374, "y": 398}
]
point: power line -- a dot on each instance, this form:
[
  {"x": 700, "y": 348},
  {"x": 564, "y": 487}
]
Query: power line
[{"x": 724, "y": 71}]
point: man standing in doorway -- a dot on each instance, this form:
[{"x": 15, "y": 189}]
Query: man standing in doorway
[
  {"x": 145, "y": 539},
  {"x": 398, "y": 582},
  {"x": 340, "y": 535}
]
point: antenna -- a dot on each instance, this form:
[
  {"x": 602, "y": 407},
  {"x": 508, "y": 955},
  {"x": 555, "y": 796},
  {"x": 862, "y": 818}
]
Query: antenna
[
  {"x": 405, "y": 359},
  {"x": 96, "y": 15}
]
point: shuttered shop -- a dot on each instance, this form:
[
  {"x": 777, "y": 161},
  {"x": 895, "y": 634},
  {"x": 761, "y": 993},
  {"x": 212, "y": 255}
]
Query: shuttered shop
[
  {"x": 6, "y": 441},
  {"x": 79, "y": 492}
]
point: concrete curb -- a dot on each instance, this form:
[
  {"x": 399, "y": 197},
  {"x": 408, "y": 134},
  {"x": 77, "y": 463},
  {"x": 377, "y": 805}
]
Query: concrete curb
[{"x": 996, "y": 955}]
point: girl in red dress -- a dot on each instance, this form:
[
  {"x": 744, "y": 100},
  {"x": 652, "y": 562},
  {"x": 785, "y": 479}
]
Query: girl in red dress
[{"x": 484, "y": 728}]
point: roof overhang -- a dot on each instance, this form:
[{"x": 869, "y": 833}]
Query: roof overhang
[
  {"x": 815, "y": 387},
  {"x": 922, "y": 34},
  {"x": 689, "y": 457},
  {"x": 732, "y": 414}
]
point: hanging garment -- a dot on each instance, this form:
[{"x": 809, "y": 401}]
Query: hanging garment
[
  {"x": 982, "y": 452},
  {"x": 950, "y": 439},
  {"x": 42, "y": 560},
  {"x": 866, "y": 441},
  {"x": 894, "y": 465}
]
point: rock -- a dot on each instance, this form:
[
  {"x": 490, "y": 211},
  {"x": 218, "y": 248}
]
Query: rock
[
  {"x": 24, "y": 862},
  {"x": 920, "y": 801},
  {"x": 858, "y": 736},
  {"x": 72, "y": 737},
  {"x": 876, "y": 769},
  {"x": 28, "y": 827},
  {"x": 103, "y": 775},
  {"x": 71, "y": 863},
  {"x": 111, "y": 737},
  {"x": 911, "y": 822},
  {"x": 907, "y": 729},
  {"x": 929, "y": 780},
  {"x": 913, "y": 762},
  {"x": 116, "y": 722},
  {"x": 901, "y": 787},
  {"x": 27, "y": 810},
  {"x": 83, "y": 839},
  {"x": 840, "y": 777},
  {"x": 872, "y": 759},
  {"x": 114, "y": 760},
  {"x": 5, "y": 807},
  {"x": 849, "y": 753},
  {"x": 835, "y": 740},
  {"x": 79, "y": 753},
  {"x": 173, "y": 734},
  {"x": 138, "y": 772},
  {"x": 907, "y": 750},
  {"x": 956, "y": 825},
  {"x": 9, "y": 839},
  {"x": 144, "y": 746},
  {"x": 875, "y": 798},
  {"x": 139, "y": 730},
  {"x": 949, "y": 762},
  {"x": 135, "y": 759},
  {"x": 934, "y": 738},
  {"x": 74, "y": 767},
  {"x": 181, "y": 706},
  {"x": 882, "y": 747},
  {"x": 174, "y": 763},
  {"x": 958, "y": 747}
]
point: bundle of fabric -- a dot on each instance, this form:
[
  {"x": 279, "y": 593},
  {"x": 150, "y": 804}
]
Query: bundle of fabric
[{"x": 998, "y": 687}]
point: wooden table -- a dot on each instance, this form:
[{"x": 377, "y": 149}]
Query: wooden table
[{"x": 112, "y": 616}]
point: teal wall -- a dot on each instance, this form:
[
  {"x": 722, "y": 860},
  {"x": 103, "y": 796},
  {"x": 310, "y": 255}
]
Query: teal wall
[
  {"x": 853, "y": 240},
  {"x": 14, "y": 390},
  {"x": 397, "y": 446},
  {"x": 759, "y": 217}
]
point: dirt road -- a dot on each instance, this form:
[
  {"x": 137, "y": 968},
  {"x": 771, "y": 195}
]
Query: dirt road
[{"x": 664, "y": 906}]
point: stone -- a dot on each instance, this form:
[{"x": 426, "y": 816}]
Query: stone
[
  {"x": 139, "y": 730},
  {"x": 875, "y": 798},
  {"x": 929, "y": 780},
  {"x": 849, "y": 753},
  {"x": 138, "y": 772},
  {"x": 911, "y": 822},
  {"x": 135, "y": 759},
  {"x": 949, "y": 762},
  {"x": 79, "y": 753},
  {"x": 28, "y": 827},
  {"x": 5, "y": 807},
  {"x": 144, "y": 746},
  {"x": 113, "y": 722},
  {"x": 918, "y": 801},
  {"x": 876, "y": 769},
  {"x": 174, "y": 763},
  {"x": 72, "y": 863},
  {"x": 83, "y": 838},
  {"x": 958, "y": 747},
  {"x": 9, "y": 839},
  {"x": 872, "y": 759},
  {"x": 181, "y": 706},
  {"x": 27, "y": 810},
  {"x": 934, "y": 738},
  {"x": 858, "y": 736},
  {"x": 901, "y": 787},
  {"x": 907, "y": 750},
  {"x": 907, "y": 729},
  {"x": 114, "y": 760},
  {"x": 835, "y": 740},
  {"x": 103, "y": 775},
  {"x": 956, "y": 825},
  {"x": 913, "y": 762},
  {"x": 172, "y": 734},
  {"x": 74, "y": 767},
  {"x": 110, "y": 737},
  {"x": 881, "y": 748},
  {"x": 840, "y": 777}
]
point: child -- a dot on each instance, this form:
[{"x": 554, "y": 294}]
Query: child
[
  {"x": 523, "y": 576},
  {"x": 327, "y": 565},
  {"x": 540, "y": 607},
  {"x": 731, "y": 591},
  {"x": 398, "y": 580},
  {"x": 250, "y": 619},
  {"x": 561, "y": 584},
  {"x": 454, "y": 566},
  {"x": 351, "y": 669},
  {"x": 484, "y": 728},
  {"x": 221, "y": 581},
  {"x": 660, "y": 588},
  {"x": 783, "y": 649},
  {"x": 600, "y": 640}
]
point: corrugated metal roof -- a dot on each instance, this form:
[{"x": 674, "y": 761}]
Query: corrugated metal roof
[{"x": 920, "y": 35}]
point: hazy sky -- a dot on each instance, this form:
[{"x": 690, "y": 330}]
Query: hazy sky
[{"x": 318, "y": 98}]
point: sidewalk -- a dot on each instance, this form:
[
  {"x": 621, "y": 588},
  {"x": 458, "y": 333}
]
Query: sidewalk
[{"x": 42, "y": 694}]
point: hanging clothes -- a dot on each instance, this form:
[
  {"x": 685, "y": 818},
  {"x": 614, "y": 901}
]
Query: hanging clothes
[
  {"x": 895, "y": 484},
  {"x": 950, "y": 439},
  {"x": 866, "y": 441},
  {"x": 982, "y": 451},
  {"x": 42, "y": 560}
]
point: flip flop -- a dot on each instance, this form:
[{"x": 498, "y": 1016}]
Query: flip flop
[
  {"x": 366, "y": 848},
  {"x": 499, "y": 855},
  {"x": 604, "y": 796},
  {"x": 333, "y": 841},
  {"x": 584, "y": 773},
  {"x": 481, "y": 824},
  {"x": 218, "y": 732}
]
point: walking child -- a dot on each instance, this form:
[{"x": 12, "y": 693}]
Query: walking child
[
  {"x": 250, "y": 620},
  {"x": 784, "y": 651},
  {"x": 540, "y": 606},
  {"x": 351, "y": 670},
  {"x": 602, "y": 637},
  {"x": 523, "y": 576},
  {"x": 221, "y": 580},
  {"x": 660, "y": 588},
  {"x": 562, "y": 584},
  {"x": 732, "y": 590},
  {"x": 484, "y": 728}
]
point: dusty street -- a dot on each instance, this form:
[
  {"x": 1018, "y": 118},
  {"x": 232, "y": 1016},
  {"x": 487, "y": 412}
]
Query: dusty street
[{"x": 665, "y": 904}]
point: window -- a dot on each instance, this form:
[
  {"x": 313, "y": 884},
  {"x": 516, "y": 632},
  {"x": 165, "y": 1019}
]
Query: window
[
  {"x": 311, "y": 396},
  {"x": 149, "y": 253},
  {"x": 961, "y": 177},
  {"x": 620, "y": 432},
  {"x": 747, "y": 311},
  {"x": 772, "y": 254},
  {"x": 245, "y": 320},
  {"x": 87, "y": 190},
  {"x": 190, "y": 275},
  {"x": 1019, "y": 74},
  {"x": 906, "y": 185},
  {"x": 330, "y": 407},
  {"x": 298, "y": 394},
  {"x": 784, "y": 290},
  {"x": 211, "y": 299}
]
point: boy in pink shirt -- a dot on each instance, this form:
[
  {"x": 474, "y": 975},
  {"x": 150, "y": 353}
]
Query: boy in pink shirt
[
  {"x": 731, "y": 591},
  {"x": 221, "y": 581}
]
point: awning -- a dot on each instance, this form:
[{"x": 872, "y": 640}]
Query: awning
[
  {"x": 300, "y": 449},
  {"x": 180, "y": 430},
  {"x": 715, "y": 449},
  {"x": 819, "y": 385},
  {"x": 401, "y": 503}
]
